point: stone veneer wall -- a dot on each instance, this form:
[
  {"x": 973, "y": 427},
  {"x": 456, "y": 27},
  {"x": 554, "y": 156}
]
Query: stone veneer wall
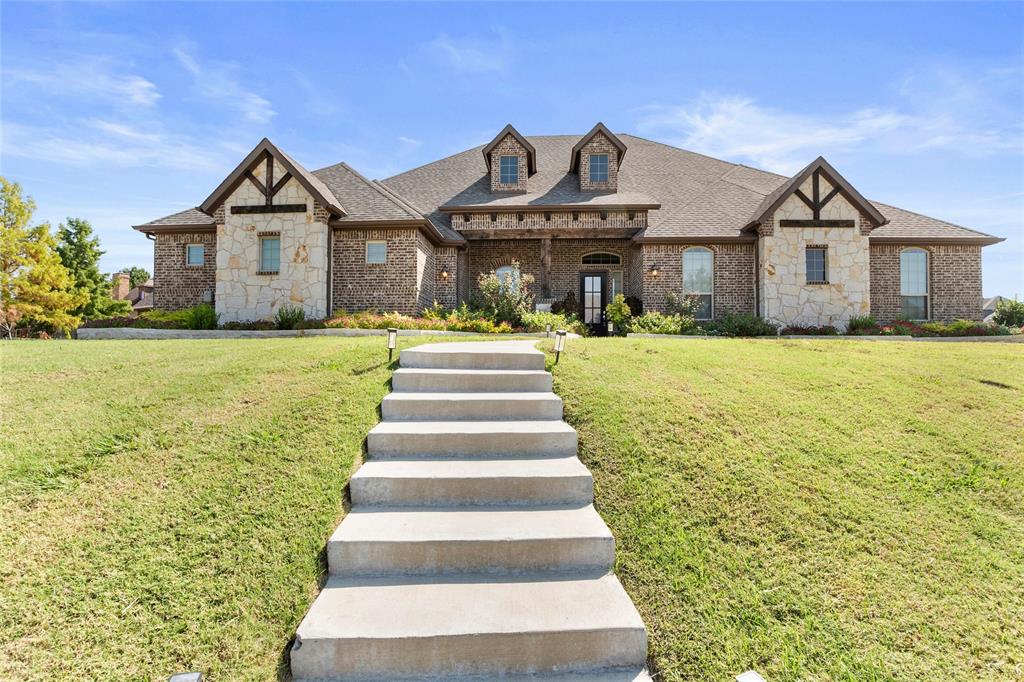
[
  {"x": 446, "y": 259},
  {"x": 733, "y": 275},
  {"x": 786, "y": 297},
  {"x": 509, "y": 146},
  {"x": 243, "y": 293},
  {"x": 395, "y": 285},
  {"x": 552, "y": 220},
  {"x": 954, "y": 281},
  {"x": 176, "y": 285},
  {"x": 599, "y": 144}
]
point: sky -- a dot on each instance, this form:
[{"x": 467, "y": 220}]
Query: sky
[{"x": 121, "y": 113}]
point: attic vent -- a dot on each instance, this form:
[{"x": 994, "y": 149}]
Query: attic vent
[
  {"x": 494, "y": 217},
  {"x": 547, "y": 216},
  {"x": 519, "y": 217},
  {"x": 604, "y": 215},
  {"x": 575, "y": 215},
  {"x": 631, "y": 215},
  {"x": 467, "y": 217}
]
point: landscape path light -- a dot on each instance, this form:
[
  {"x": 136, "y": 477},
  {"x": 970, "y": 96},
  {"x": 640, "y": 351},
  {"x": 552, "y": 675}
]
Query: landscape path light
[
  {"x": 392, "y": 341},
  {"x": 559, "y": 344},
  {"x": 547, "y": 331}
]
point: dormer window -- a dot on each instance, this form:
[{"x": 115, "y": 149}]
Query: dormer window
[
  {"x": 598, "y": 168},
  {"x": 509, "y": 170}
]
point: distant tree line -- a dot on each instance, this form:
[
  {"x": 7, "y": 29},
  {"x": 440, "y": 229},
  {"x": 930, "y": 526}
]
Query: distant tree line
[{"x": 50, "y": 283}]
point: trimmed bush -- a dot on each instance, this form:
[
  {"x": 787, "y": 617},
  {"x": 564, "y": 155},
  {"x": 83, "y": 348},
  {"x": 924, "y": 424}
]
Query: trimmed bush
[
  {"x": 656, "y": 323},
  {"x": 538, "y": 321},
  {"x": 740, "y": 324},
  {"x": 862, "y": 324},
  {"x": 823, "y": 330}
]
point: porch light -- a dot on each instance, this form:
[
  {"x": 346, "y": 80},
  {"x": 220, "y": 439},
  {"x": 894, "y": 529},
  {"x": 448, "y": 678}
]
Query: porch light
[
  {"x": 392, "y": 341},
  {"x": 559, "y": 344},
  {"x": 444, "y": 274},
  {"x": 654, "y": 270}
]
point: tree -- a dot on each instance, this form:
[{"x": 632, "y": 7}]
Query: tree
[
  {"x": 80, "y": 253},
  {"x": 35, "y": 287},
  {"x": 136, "y": 275}
]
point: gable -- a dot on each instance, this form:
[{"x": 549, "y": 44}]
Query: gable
[
  {"x": 518, "y": 140},
  {"x": 600, "y": 134}
]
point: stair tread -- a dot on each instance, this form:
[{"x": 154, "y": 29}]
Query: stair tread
[
  {"x": 350, "y": 608},
  {"x": 448, "y": 371},
  {"x": 503, "y": 467},
  {"x": 471, "y": 396},
  {"x": 440, "y": 427},
  {"x": 456, "y": 524}
]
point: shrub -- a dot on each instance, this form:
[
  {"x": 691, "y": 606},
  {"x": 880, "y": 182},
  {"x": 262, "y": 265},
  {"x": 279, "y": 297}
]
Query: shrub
[
  {"x": 684, "y": 306},
  {"x": 1009, "y": 313},
  {"x": 288, "y": 317},
  {"x": 538, "y": 321},
  {"x": 823, "y": 330},
  {"x": 567, "y": 306},
  {"x": 656, "y": 323},
  {"x": 250, "y": 325},
  {"x": 964, "y": 328},
  {"x": 619, "y": 313},
  {"x": 740, "y": 324},
  {"x": 435, "y": 312},
  {"x": 862, "y": 324},
  {"x": 505, "y": 301},
  {"x": 635, "y": 305},
  {"x": 201, "y": 317}
]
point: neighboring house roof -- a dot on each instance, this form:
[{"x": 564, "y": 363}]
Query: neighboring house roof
[
  {"x": 574, "y": 162},
  {"x": 531, "y": 153},
  {"x": 313, "y": 184}
]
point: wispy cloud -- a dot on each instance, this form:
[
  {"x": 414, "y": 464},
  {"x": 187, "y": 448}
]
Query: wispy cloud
[
  {"x": 92, "y": 76},
  {"x": 468, "y": 55},
  {"x": 217, "y": 81},
  {"x": 929, "y": 114}
]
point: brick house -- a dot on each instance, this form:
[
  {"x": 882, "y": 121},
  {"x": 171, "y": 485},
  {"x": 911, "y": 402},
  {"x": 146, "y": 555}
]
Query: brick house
[{"x": 594, "y": 215}]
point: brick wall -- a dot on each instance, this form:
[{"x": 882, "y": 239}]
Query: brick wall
[
  {"x": 734, "y": 275},
  {"x": 954, "y": 281},
  {"x": 358, "y": 285},
  {"x": 485, "y": 256},
  {"x": 566, "y": 266},
  {"x": 599, "y": 144},
  {"x": 557, "y": 220},
  {"x": 508, "y": 147},
  {"x": 426, "y": 273},
  {"x": 176, "y": 285},
  {"x": 446, "y": 260}
]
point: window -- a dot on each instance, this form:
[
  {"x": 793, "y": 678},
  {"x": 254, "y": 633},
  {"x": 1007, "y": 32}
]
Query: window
[
  {"x": 602, "y": 259},
  {"x": 508, "y": 276},
  {"x": 615, "y": 284},
  {"x": 914, "y": 283},
  {"x": 270, "y": 254},
  {"x": 599, "y": 168},
  {"x": 817, "y": 264},
  {"x": 699, "y": 278},
  {"x": 509, "y": 170},
  {"x": 194, "y": 254},
  {"x": 376, "y": 252}
]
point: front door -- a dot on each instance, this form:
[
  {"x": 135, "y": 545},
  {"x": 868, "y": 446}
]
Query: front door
[{"x": 592, "y": 295}]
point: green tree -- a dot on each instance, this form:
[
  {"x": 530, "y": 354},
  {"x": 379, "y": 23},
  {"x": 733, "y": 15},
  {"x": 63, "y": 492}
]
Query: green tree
[
  {"x": 35, "y": 288},
  {"x": 80, "y": 253},
  {"x": 136, "y": 275}
]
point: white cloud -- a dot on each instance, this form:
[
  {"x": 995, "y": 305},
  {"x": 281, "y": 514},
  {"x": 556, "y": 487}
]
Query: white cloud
[
  {"x": 217, "y": 81},
  {"x": 469, "y": 55},
  {"x": 950, "y": 113},
  {"x": 92, "y": 76}
]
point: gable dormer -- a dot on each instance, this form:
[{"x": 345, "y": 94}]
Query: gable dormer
[
  {"x": 596, "y": 159},
  {"x": 511, "y": 160}
]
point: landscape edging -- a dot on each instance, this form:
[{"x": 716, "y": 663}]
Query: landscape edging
[
  {"x": 1019, "y": 338},
  {"x": 132, "y": 333}
]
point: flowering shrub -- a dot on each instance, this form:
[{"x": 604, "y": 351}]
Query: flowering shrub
[
  {"x": 619, "y": 313},
  {"x": 504, "y": 299}
]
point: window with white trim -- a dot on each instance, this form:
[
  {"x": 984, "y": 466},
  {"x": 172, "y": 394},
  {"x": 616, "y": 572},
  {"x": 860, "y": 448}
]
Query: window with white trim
[
  {"x": 376, "y": 253},
  {"x": 699, "y": 279},
  {"x": 194, "y": 254},
  {"x": 270, "y": 254},
  {"x": 508, "y": 276},
  {"x": 914, "y": 284},
  {"x": 599, "y": 168},
  {"x": 509, "y": 170}
]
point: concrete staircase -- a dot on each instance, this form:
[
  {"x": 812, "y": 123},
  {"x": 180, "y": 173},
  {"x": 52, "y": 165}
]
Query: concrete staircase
[{"x": 472, "y": 550}]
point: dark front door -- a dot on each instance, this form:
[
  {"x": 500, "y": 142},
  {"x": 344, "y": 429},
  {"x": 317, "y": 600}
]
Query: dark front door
[{"x": 592, "y": 297}]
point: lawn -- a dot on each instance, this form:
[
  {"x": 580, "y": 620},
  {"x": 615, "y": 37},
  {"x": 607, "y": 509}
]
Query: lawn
[{"x": 811, "y": 509}]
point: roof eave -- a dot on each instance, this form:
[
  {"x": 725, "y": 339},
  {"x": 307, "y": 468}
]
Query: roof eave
[
  {"x": 980, "y": 240},
  {"x": 554, "y": 208},
  {"x": 428, "y": 228},
  {"x": 153, "y": 229}
]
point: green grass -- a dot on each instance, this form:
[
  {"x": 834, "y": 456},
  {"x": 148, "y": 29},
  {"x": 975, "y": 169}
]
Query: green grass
[{"x": 814, "y": 510}]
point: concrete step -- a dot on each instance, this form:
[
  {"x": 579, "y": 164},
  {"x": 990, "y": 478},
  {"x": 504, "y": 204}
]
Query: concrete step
[
  {"x": 470, "y": 406},
  {"x": 476, "y": 540},
  {"x": 472, "y": 481},
  {"x": 469, "y": 380},
  {"x": 466, "y": 438},
  {"x": 386, "y": 629},
  {"x": 626, "y": 674},
  {"x": 474, "y": 355}
]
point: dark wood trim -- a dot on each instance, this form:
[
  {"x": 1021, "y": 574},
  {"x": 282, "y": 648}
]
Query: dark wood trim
[
  {"x": 268, "y": 194},
  {"x": 276, "y": 208},
  {"x": 740, "y": 239},
  {"x": 551, "y": 233},
  {"x": 280, "y": 184},
  {"x": 254, "y": 180},
  {"x": 564, "y": 208},
  {"x": 545, "y": 267},
  {"x": 817, "y": 223},
  {"x": 803, "y": 197}
]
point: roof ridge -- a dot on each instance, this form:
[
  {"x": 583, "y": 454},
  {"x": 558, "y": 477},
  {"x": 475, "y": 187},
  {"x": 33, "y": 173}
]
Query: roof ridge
[{"x": 398, "y": 198}]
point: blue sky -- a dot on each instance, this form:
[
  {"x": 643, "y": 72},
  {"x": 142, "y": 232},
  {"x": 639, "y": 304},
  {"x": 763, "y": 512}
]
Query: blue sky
[{"x": 123, "y": 112}]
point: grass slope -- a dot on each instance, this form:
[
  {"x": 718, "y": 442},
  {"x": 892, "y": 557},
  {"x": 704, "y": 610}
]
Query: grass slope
[
  {"x": 812, "y": 510},
  {"x": 815, "y": 510}
]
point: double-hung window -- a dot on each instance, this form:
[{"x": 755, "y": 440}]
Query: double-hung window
[
  {"x": 509, "y": 170},
  {"x": 914, "y": 283},
  {"x": 817, "y": 264},
  {"x": 699, "y": 279},
  {"x": 194, "y": 255},
  {"x": 599, "y": 168},
  {"x": 270, "y": 254},
  {"x": 376, "y": 253}
]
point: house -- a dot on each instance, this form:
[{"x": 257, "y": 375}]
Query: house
[
  {"x": 988, "y": 308},
  {"x": 141, "y": 297},
  {"x": 594, "y": 214}
]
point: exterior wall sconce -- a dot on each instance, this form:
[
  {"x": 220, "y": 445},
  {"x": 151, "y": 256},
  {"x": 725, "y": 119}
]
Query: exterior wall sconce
[
  {"x": 445, "y": 274},
  {"x": 654, "y": 270},
  {"x": 559, "y": 344},
  {"x": 392, "y": 341}
]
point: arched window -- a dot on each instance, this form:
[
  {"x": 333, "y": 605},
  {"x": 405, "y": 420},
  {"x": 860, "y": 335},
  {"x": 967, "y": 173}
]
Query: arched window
[
  {"x": 602, "y": 259},
  {"x": 914, "y": 283},
  {"x": 508, "y": 276},
  {"x": 699, "y": 279}
]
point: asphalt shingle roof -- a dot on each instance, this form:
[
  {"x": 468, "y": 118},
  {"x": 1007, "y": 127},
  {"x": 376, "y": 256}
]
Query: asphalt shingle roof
[{"x": 190, "y": 217}]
